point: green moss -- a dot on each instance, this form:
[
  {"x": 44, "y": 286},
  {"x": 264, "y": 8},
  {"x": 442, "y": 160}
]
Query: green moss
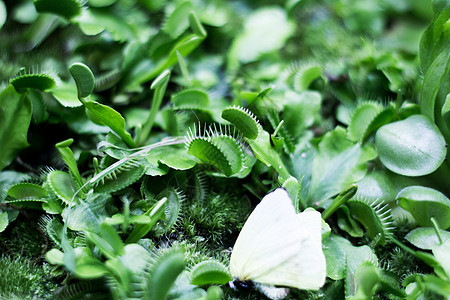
[
  {"x": 22, "y": 279},
  {"x": 23, "y": 237},
  {"x": 217, "y": 218}
]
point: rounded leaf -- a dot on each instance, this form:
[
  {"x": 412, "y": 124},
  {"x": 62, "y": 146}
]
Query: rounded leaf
[
  {"x": 426, "y": 237},
  {"x": 40, "y": 82},
  {"x": 65, "y": 8},
  {"x": 424, "y": 203},
  {"x": 210, "y": 272},
  {"x": 411, "y": 147},
  {"x": 191, "y": 99},
  {"x": 84, "y": 78}
]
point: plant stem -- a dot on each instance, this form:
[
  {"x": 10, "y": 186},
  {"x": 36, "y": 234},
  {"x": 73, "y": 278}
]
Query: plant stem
[
  {"x": 159, "y": 85},
  {"x": 341, "y": 199},
  {"x": 436, "y": 229}
]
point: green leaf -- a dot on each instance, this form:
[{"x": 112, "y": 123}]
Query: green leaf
[
  {"x": 265, "y": 30},
  {"x": 55, "y": 257},
  {"x": 120, "y": 178},
  {"x": 441, "y": 252},
  {"x": 66, "y": 94},
  {"x": 434, "y": 79},
  {"x": 445, "y": 112},
  {"x": 220, "y": 150},
  {"x": 363, "y": 283},
  {"x": 94, "y": 21},
  {"x": 3, "y": 14},
  {"x": 361, "y": 118},
  {"x": 81, "y": 217},
  {"x": 4, "y": 221},
  {"x": 424, "y": 203},
  {"x": 87, "y": 266},
  {"x": 209, "y": 272},
  {"x": 27, "y": 191},
  {"x": 338, "y": 163},
  {"x": 341, "y": 256},
  {"x": 300, "y": 110},
  {"x": 425, "y": 237},
  {"x": 243, "y": 120},
  {"x": 178, "y": 20},
  {"x": 69, "y": 159},
  {"x": 172, "y": 211},
  {"x": 375, "y": 216},
  {"x": 155, "y": 213},
  {"x": 305, "y": 76},
  {"x": 159, "y": 85},
  {"x": 111, "y": 118},
  {"x": 176, "y": 159},
  {"x": 40, "y": 82},
  {"x": 438, "y": 285},
  {"x": 191, "y": 99},
  {"x": 83, "y": 78},
  {"x": 163, "y": 274},
  {"x": 108, "y": 241},
  {"x": 62, "y": 185},
  {"x": 65, "y": 8},
  {"x": 348, "y": 224},
  {"x": 434, "y": 40},
  {"x": 15, "y": 116},
  {"x": 411, "y": 147},
  {"x": 135, "y": 258}
]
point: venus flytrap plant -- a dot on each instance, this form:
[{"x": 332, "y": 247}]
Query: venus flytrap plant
[
  {"x": 260, "y": 142},
  {"x": 111, "y": 217},
  {"x": 98, "y": 112}
]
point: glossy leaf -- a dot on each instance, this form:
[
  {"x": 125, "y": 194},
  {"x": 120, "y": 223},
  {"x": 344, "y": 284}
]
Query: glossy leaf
[
  {"x": 4, "y": 221},
  {"x": 164, "y": 273},
  {"x": 376, "y": 218},
  {"x": 191, "y": 99},
  {"x": 361, "y": 118},
  {"x": 69, "y": 159},
  {"x": 441, "y": 254},
  {"x": 15, "y": 118},
  {"x": 243, "y": 119},
  {"x": 84, "y": 79},
  {"x": 27, "y": 191},
  {"x": 108, "y": 241},
  {"x": 426, "y": 238},
  {"x": 433, "y": 80},
  {"x": 111, "y": 118},
  {"x": 209, "y": 272},
  {"x": 341, "y": 256},
  {"x": 40, "y": 82},
  {"x": 155, "y": 213},
  {"x": 62, "y": 184},
  {"x": 426, "y": 203},
  {"x": 411, "y": 147},
  {"x": 338, "y": 163}
]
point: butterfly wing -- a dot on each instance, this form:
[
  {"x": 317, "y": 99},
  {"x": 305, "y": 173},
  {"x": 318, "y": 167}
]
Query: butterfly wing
[
  {"x": 306, "y": 269},
  {"x": 268, "y": 239}
]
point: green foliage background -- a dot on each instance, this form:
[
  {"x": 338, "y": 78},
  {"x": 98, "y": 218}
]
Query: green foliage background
[{"x": 137, "y": 136}]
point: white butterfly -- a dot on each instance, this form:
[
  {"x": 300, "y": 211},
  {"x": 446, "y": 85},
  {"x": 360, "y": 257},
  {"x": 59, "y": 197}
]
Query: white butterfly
[{"x": 276, "y": 246}]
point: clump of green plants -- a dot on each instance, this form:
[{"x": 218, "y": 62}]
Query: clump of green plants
[{"x": 140, "y": 142}]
